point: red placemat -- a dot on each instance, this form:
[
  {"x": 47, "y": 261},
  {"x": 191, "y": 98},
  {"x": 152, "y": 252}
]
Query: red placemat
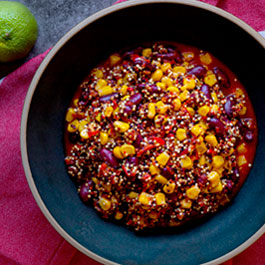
[{"x": 26, "y": 236}]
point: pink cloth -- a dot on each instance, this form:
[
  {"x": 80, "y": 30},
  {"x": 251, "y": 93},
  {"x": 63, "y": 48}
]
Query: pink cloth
[{"x": 26, "y": 236}]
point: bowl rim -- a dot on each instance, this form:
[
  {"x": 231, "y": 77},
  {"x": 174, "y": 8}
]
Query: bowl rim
[{"x": 40, "y": 71}]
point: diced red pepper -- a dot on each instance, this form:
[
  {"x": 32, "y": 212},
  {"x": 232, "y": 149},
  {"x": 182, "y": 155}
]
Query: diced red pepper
[
  {"x": 159, "y": 140},
  {"x": 145, "y": 149}
]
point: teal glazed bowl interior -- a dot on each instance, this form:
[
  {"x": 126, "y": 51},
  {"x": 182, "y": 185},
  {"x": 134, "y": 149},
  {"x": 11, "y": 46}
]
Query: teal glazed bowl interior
[{"x": 209, "y": 241}]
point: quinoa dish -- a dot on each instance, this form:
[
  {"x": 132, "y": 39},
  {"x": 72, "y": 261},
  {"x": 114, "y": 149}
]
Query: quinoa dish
[{"x": 159, "y": 135}]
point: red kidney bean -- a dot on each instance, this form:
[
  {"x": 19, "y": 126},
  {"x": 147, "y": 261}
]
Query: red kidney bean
[
  {"x": 206, "y": 90},
  {"x": 217, "y": 125},
  {"x": 108, "y": 97},
  {"x": 127, "y": 109},
  {"x": 133, "y": 160},
  {"x": 229, "y": 184},
  {"x": 228, "y": 107},
  {"x": 249, "y": 136},
  {"x": 138, "y": 140},
  {"x": 167, "y": 172},
  {"x": 199, "y": 71},
  {"x": 108, "y": 157},
  {"x": 235, "y": 175},
  {"x": 222, "y": 77},
  {"x": 85, "y": 191},
  {"x": 136, "y": 98}
]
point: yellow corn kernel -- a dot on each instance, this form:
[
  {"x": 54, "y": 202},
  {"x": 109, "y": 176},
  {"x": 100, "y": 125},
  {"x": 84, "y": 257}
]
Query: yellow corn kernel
[
  {"x": 188, "y": 83},
  {"x": 206, "y": 58},
  {"x": 179, "y": 70},
  {"x": 165, "y": 67},
  {"x": 218, "y": 161},
  {"x": 117, "y": 152},
  {"x": 203, "y": 111},
  {"x": 84, "y": 134},
  {"x": 214, "y": 178},
  {"x": 167, "y": 81},
  {"x": 214, "y": 97},
  {"x": 154, "y": 170},
  {"x": 241, "y": 149},
  {"x": 201, "y": 148},
  {"x": 121, "y": 126},
  {"x": 70, "y": 115},
  {"x": 218, "y": 188},
  {"x": 106, "y": 90},
  {"x": 160, "y": 198},
  {"x": 82, "y": 125},
  {"x": 191, "y": 111},
  {"x": 104, "y": 203},
  {"x": 210, "y": 79},
  {"x": 239, "y": 92},
  {"x": 123, "y": 90},
  {"x": 125, "y": 97},
  {"x": 76, "y": 102},
  {"x": 241, "y": 160},
  {"x": 127, "y": 150},
  {"x": 231, "y": 151},
  {"x": 157, "y": 75},
  {"x": 214, "y": 108},
  {"x": 98, "y": 117},
  {"x": 161, "y": 85},
  {"x": 161, "y": 107},
  {"x": 186, "y": 203},
  {"x": 188, "y": 56},
  {"x": 98, "y": 73},
  {"x": 118, "y": 215},
  {"x": 145, "y": 198},
  {"x": 193, "y": 192},
  {"x": 147, "y": 52},
  {"x": 108, "y": 111},
  {"x": 101, "y": 83},
  {"x": 243, "y": 111},
  {"x": 186, "y": 162},
  {"x": 95, "y": 180},
  {"x": 151, "y": 110},
  {"x": 162, "y": 159},
  {"x": 176, "y": 103},
  {"x": 114, "y": 59},
  {"x": 202, "y": 161},
  {"x": 73, "y": 126},
  {"x": 173, "y": 89},
  {"x": 169, "y": 187},
  {"x": 181, "y": 134},
  {"x": 184, "y": 95},
  {"x": 197, "y": 129},
  {"x": 160, "y": 179},
  {"x": 103, "y": 138},
  {"x": 211, "y": 139},
  {"x": 133, "y": 195}
]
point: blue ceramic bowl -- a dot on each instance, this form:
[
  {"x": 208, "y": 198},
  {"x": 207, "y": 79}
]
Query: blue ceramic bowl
[{"x": 211, "y": 241}]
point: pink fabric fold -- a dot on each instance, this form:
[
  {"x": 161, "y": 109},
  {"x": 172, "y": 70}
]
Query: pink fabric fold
[{"x": 27, "y": 238}]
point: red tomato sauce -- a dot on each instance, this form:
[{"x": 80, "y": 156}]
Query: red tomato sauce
[{"x": 160, "y": 135}]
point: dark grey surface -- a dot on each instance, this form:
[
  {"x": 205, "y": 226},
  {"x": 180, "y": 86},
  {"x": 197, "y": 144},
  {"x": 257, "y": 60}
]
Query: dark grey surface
[{"x": 55, "y": 18}]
